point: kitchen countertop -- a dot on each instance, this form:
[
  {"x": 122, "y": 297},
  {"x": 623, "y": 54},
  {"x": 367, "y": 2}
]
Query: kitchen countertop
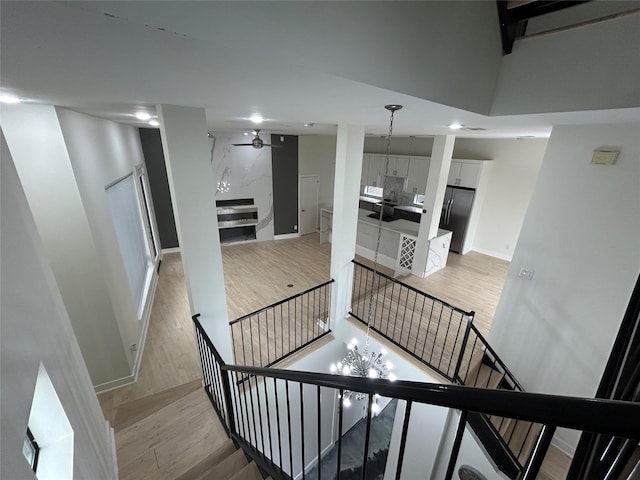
[
  {"x": 397, "y": 226},
  {"x": 409, "y": 208},
  {"x": 364, "y": 198}
]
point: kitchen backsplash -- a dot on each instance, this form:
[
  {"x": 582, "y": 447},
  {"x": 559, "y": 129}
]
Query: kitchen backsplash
[
  {"x": 393, "y": 187},
  {"x": 394, "y": 190},
  {"x": 405, "y": 198}
]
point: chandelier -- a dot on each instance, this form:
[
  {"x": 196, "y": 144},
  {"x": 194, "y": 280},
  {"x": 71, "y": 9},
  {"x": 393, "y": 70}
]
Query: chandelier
[
  {"x": 223, "y": 187},
  {"x": 366, "y": 363},
  {"x": 362, "y": 364}
]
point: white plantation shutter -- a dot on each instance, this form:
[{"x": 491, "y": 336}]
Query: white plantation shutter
[{"x": 128, "y": 223}]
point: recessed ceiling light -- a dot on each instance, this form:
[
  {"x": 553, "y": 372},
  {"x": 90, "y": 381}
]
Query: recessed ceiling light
[
  {"x": 256, "y": 118},
  {"x": 456, "y": 126},
  {"x": 309, "y": 125},
  {"x": 154, "y": 123},
  {"x": 144, "y": 116},
  {"x": 246, "y": 134},
  {"x": 8, "y": 98}
]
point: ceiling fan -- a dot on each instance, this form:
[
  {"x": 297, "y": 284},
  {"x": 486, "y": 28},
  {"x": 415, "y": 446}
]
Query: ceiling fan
[{"x": 256, "y": 142}]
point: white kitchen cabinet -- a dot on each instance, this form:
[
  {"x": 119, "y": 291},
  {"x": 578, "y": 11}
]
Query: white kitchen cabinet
[
  {"x": 398, "y": 166},
  {"x": 364, "y": 176},
  {"x": 464, "y": 173},
  {"x": 375, "y": 174},
  {"x": 417, "y": 175}
]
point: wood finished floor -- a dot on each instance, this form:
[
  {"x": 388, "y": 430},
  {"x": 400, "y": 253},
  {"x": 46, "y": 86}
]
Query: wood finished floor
[{"x": 256, "y": 275}]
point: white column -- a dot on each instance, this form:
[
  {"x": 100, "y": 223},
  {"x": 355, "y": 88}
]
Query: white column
[
  {"x": 433, "y": 198},
  {"x": 346, "y": 193},
  {"x": 187, "y": 156}
]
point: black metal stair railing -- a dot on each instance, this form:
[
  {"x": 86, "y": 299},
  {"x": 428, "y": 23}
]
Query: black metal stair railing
[
  {"x": 443, "y": 337},
  {"x": 280, "y": 417},
  {"x": 271, "y": 334},
  {"x": 215, "y": 383},
  {"x": 429, "y": 329},
  {"x": 480, "y": 366}
]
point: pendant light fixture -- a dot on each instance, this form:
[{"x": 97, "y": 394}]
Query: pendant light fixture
[{"x": 368, "y": 363}]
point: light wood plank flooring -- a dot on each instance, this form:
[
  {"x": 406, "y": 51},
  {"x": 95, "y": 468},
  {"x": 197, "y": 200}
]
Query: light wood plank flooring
[{"x": 256, "y": 275}]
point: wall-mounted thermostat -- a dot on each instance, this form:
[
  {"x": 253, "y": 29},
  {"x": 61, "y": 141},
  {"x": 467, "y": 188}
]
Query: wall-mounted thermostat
[{"x": 604, "y": 157}]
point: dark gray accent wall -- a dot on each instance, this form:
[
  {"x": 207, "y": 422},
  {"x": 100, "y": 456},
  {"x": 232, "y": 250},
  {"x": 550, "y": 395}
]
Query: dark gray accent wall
[
  {"x": 159, "y": 183},
  {"x": 284, "y": 164}
]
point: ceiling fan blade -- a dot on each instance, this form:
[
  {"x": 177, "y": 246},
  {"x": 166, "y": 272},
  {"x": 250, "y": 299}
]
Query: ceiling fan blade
[
  {"x": 242, "y": 144},
  {"x": 269, "y": 145}
]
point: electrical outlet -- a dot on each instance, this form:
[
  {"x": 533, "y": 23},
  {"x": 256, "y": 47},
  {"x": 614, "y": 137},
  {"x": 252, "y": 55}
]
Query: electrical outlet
[
  {"x": 526, "y": 273},
  {"x": 134, "y": 347}
]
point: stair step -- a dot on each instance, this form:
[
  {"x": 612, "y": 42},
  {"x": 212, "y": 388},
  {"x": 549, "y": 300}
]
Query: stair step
[
  {"x": 228, "y": 467},
  {"x": 132, "y": 412},
  {"x": 173, "y": 439},
  {"x": 482, "y": 375},
  {"x": 206, "y": 465},
  {"x": 494, "y": 447},
  {"x": 249, "y": 472},
  {"x": 519, "y": 435}
]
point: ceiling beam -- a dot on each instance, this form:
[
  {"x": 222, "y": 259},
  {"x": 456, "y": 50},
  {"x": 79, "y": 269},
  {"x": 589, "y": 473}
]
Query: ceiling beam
[{"x": 513, "y": 17}]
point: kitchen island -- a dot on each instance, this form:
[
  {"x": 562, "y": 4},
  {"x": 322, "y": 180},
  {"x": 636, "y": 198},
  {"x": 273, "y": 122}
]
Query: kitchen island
[{"x": 397, "y": 241}]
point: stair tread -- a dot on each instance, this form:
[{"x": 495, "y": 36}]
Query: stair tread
[
  {"x": 248, "y": 472},
  {"x": 208, "y": 463},
  {"x": 483, "y": 376},
  {"x": 187, "y": 425},
  {"x": 519, "y": 435},
  {"x": 132, "y": 412},
  {"x": 228, "y": 467}
]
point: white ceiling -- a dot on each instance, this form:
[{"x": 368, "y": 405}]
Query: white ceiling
[{"x": 71, "y": 54}]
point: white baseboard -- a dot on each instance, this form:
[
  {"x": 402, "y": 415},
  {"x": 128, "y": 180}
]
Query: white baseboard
[
  {"x": 382, "y": 259},
  {"x": 145, "y": 327},
  {"x": 113, "y": 384},
  {"x": 499, "y": 255},
  {"x": 129, "y": 379},
  {"x": 111, "y": 438},
  {"x": 171, "y": 250},
  {"x": 285, "y": 236}
]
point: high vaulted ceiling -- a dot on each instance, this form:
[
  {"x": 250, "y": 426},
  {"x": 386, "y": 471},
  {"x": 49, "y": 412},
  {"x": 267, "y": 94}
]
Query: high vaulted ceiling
[{"x": 325, "y": 63}]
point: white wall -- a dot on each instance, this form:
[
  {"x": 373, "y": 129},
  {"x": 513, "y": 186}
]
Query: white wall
[
  {"x": 317, "y": 156},
  {"x": 375, "y": 43},
  {"x": 102, "y": 152},
  {"x": 593, "y": 67},
  {"x": 581, "y": 235},
  {"x": 248, "y": 171},
  {"x": 419, "y": 146},
  {"x": 512, "y": 179},
  {"x": 471, "y": 452},
  {"x": 75, "y": 250},
  {"x": 35, "y": 328}
]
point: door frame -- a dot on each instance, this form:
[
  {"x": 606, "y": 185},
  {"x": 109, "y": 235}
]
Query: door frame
[{"x": 300, "y": 177}]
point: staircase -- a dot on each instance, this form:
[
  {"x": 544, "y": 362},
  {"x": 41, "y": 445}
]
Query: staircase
[
  {"x": 507, "y": 441},
  {"x": 176, "y": 435}
]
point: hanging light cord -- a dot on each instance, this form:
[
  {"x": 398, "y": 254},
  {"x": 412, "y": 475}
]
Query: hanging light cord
[{"x": 392, "y": 109}]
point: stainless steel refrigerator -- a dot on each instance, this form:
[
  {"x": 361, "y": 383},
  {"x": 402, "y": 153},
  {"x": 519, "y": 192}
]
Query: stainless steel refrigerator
[{"x": 456, "y": 211}]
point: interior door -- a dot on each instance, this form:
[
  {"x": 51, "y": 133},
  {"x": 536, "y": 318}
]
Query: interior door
[{"x": 308, "y": 215}]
